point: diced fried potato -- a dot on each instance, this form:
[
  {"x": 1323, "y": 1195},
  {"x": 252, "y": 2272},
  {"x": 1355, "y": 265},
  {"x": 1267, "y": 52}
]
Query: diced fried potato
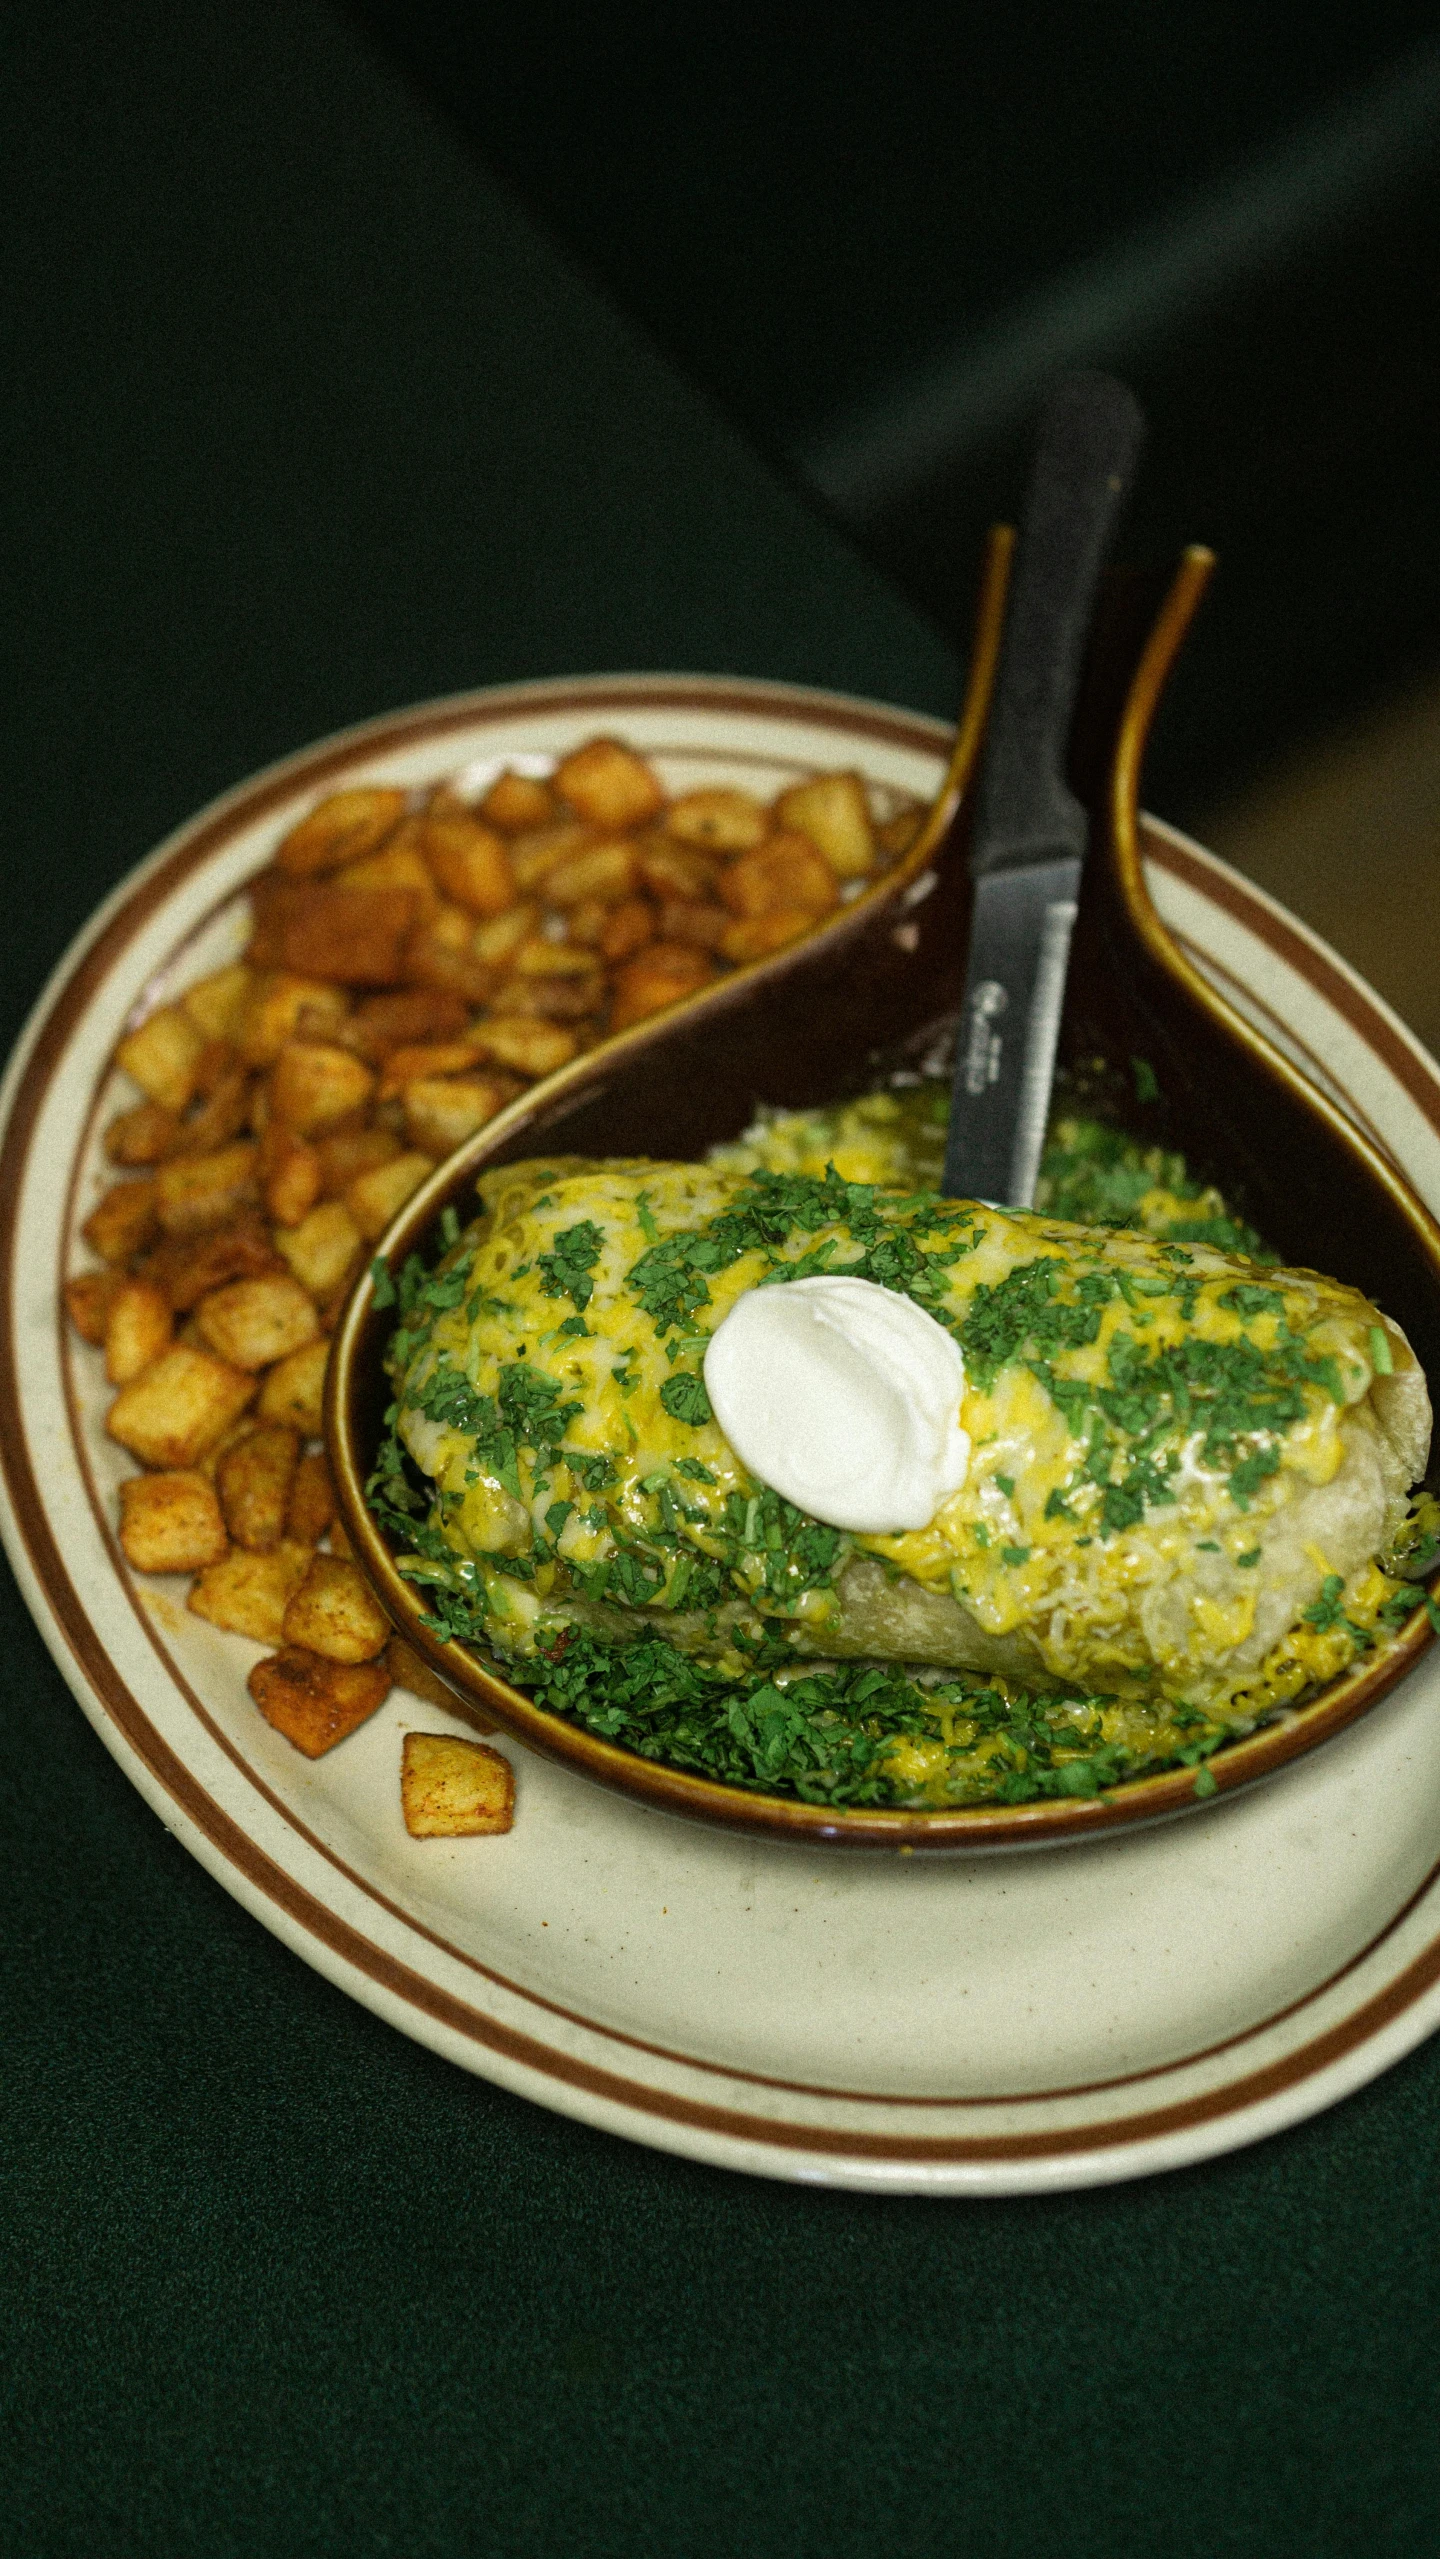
[
  {"x": 188, "y": 1270},
  {"x": 538, "y": 956},
  {"x": 496, "y": 943},
  {"x": 410, "y": 1670},
  {"x": 694, "y": 920},
  {"x": 197, "y": 1192},
  {"x": 311, "y": 1507},
  {"x": 604, "y": 871},
  {"x": 88, "y": 1300},
  {"x": 834, "y": 812},
  {"x": 122, "y": 1222},
  {"x": 557, "y": 997},
  {"x": 314, "y": 1085},
  {"x": 382, "y": 1022},
  {"x": 216, "y": 1003},
  {"x": 442, "y": 1111},
  {"x": 356, "y": 936},
  {"x": 659, "y": 975},
  {"x": 277, "y": 1006},
  {"x": 293, "y": 1390},
  {"x": 427, "y": 1057},
  {"x": 514, "y": 803},
  {"x": 339, "y": 1538},
  {"x": 144, "y": 1135},
  {"x": 532, "y": 1048},
  {"x": 342, "y": 828},
  {"x": 315, "y": 1703},
  {"x": 469, "y": 862},
  {"x": 609, "y": 784},
  {"x": 585, "y": 923},
  {"x": 170, "y": 1523},
  {"x": 174, "y": 1413},
  {"x": 335, "y": 1613},
  {"x": 375, "y": 1197},
  {"x": 629, "y": 928},
  {"x": 754, "y": 937},
  {"x": 400, "y": 864},
  {"x": 225, "y": 1109},
  {"x": 351, "y": 1152},
  {"x": 677, "y": 870},
  {"x": 292, "y": 1175},
  {"x": 785, "y": 871},
  {"x": 534, "y": 856},
  {"x": 443, "y": 955},
  {"x": 162, "y": 1055},
  {"x": 137, "y": 1330},
  {"x": 896, "y": 835},
  {"x": 248, "y": 1594},
  {"x": 718, "y": 821},
  {"x": 323, "y": 1249},
  {"x": 254, "y": 1480},
  {"x": 454, "y": 1789}
]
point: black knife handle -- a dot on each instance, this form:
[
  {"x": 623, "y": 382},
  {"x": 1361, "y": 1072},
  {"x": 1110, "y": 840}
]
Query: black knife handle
[{"x": 1090, "y": 438}]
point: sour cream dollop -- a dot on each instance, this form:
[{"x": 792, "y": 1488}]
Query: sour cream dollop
[{"x": 845, "y": 1397}]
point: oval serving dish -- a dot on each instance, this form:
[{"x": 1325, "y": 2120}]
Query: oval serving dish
[{"x": 881, "y": 982}]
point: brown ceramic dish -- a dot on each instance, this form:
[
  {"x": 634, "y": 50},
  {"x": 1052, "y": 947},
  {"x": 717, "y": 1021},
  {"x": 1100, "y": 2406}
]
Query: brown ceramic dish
[{"x": 816, "y": 1022}]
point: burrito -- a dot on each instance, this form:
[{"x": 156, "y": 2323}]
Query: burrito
[{"x": 1156, "y": 1471}]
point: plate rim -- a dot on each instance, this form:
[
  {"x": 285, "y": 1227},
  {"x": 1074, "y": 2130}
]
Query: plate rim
[{"x": 1122, "y": 2145}]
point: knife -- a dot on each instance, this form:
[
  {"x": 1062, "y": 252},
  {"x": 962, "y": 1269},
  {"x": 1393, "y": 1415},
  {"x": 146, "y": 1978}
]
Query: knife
[{"x": 1030, "y": 834}]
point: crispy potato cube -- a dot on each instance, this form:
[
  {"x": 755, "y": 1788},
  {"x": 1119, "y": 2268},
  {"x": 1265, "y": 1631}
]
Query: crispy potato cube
[
  {"x": 144, "y": 1135},
  {"x": 88, "y": 1300},
  {"x": 248, "y": 1594},
  {"x": 351, "y": 1152},
  {"x": 834, "y": 812},
  {"x": 401, "y": 864},
  {"x": 311, "y": 1506},
  {"x": 534, "y": 856},
  {"x": 225, "y": 1109},
  {"x": 162, "y": 1055},
  {"x": 514, "y": 803},
  {"x": 293, "y": 1390},
  {"x": 677, "y": 870},
  {"x": 442, "y": 954},
  {"x": 785, "y": 871},
  {"x": 323, "y": 1248},
  {"x": 454, "y": 1789},
  {"x": 718, "y": 821},
  {"x": 657, "y": 976},
  {"x": 496, "y": 943},
  {"x": 339, "y": 1540},
  {"x": 122, "y": 1222},
  {"x": 197, "y": 1192},
  {"x": 313, "y": 1085},
  {"x": 292, "y": 1174},
  {"x": 137, "y": 1330},
  {"x": 339, "y": 829},
  {"x": 410, "y": 1670},
  {"x": 558, "y": 997},
  {"x": 189, "y": 1269},
  {"x": 335, "y": 1613},
  {"x": 378, "y": 1196},
  {"x": 754, "y": 937},
  {"x": 531, "y": 1048},
  {"x": 315, "y": 929},
  {"x": 382, "y": 1022},
  {"x": 177, "y": 1409},
  {"x": 609, "y": 784},
  {"x": 629, "y": 928},
  {"x": 441, "y": 1112},
  {"x": 604, "y": 871},
  {"x": 469, "y": 863},
  {"x": 315, "y": 1703},
  {"x": 538, "y": 956},
  {"x": 170, "y": 1523},
  {"x": 426, "y": 1057},
  {"x": 275, "y": 1009},
  {"x": 695, "y": 920},
  {"x": 254, "y": 1479},
  {"x": 216, "y": 1003}
]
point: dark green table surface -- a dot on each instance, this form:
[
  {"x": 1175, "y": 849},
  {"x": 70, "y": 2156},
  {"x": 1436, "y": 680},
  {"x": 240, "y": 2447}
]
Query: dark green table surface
[{"x": 303, "y": 423}]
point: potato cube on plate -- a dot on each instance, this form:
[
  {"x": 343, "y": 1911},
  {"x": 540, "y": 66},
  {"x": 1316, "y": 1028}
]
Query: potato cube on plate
[
  {"x": 171, "y": 1523},
  {"x": 834, "y": 812},
  {"x": 315, "y": 1703},
  {"x": 275, "y": 1008},
  {"x": 609, "y": 784},
  {"x": 248, "y": 1594},
  {"x": 785, "y": 871},
  {"x": 144, "y": 1135},
  {"x": 179, "y": 1408},
  {"x": 253, "y": 1322},
  {"x": 342, "y": 828},
  {"x": 375, "y": 1197},
  {"x": 161, "y": 1057},
  {"x": 454, "y": 1789},
  {"x": 718, "y": 821},
  {"x": 215, "y": 1003},
  {"x": 657, "y": 976},
  {"x": 137, "y": 1329},
  {"x": 311, "y": 1506},
  {"x": 514, "y": 802},
  {"x": 254, "y": 1480},
  {"x": 442, "y": 1111},
  {"x": 292, "y": 1391},
  {"x": 194, "y": 1193},
  {"x": 122, "y": 1222},
  {"x": 88, "y": 1300},
  {"x": 323, "y": 1248},
  {"x": 532, "y": 1048},
  {"x": 335, "y": 1613},
  {"x": 314, "y": 1084},
  {"x": 470, "y": 863}
]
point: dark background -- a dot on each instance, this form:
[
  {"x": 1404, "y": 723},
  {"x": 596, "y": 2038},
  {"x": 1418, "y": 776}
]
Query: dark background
[{"x": 326, "y": 392}]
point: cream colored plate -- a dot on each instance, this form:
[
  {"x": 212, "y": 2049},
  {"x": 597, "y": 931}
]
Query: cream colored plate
[{"x": 973, "y": 2026}]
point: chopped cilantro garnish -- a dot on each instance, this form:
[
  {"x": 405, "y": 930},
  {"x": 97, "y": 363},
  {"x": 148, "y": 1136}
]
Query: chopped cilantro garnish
[
  {"x": 685, "y": 1399},
  {"x": 565, "y": 1271}
]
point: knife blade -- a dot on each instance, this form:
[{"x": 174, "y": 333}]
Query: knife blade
[{"x": 1028, "y": 850}]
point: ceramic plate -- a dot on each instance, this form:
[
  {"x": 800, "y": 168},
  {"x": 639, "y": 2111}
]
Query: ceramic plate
[{"x": 945, "y": 2026}]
